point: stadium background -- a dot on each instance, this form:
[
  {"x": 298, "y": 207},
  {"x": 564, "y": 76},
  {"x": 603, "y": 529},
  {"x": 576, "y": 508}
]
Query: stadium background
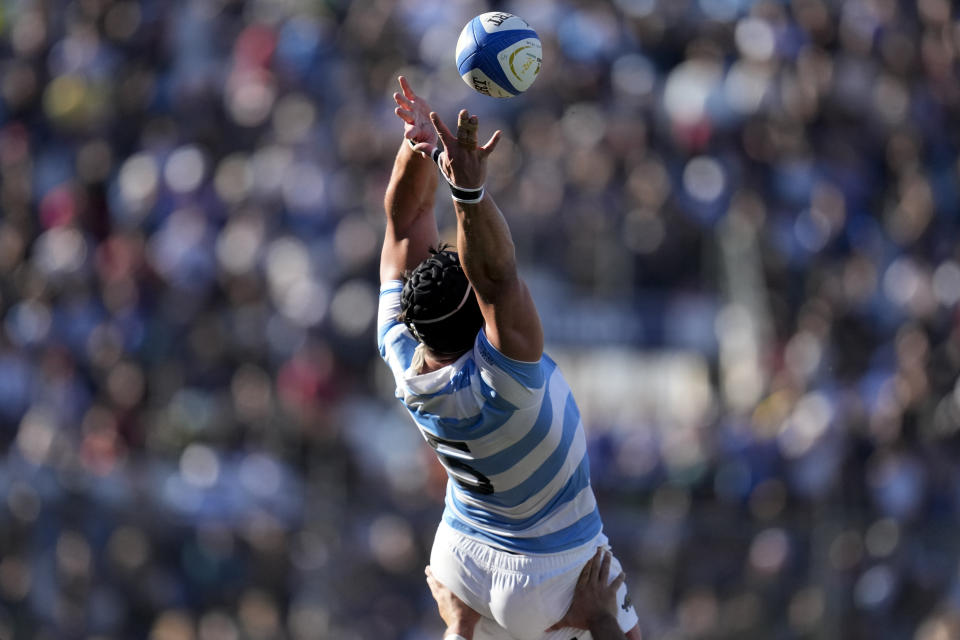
[{"x": 739, "y": 219}]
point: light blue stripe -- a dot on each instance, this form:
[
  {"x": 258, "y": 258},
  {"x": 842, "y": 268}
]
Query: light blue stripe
[
  {"x": 577, "y": 534},
  {"x": 464, "y": 377},
  {"x": 403, "y": 345},
  {"x": 382, "y": 332},
  {"x": 447, "y": 428},
  {"x": 550, "y": 467},
  {"x": 579, "y": 481},
  {"x": 494, "y": 398},
  {"x": 507, "y": 458},
  {"x": 488, "y": 420}
]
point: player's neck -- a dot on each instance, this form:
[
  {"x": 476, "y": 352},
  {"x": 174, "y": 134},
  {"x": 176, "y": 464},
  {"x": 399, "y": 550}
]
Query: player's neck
[{"x": 433, "y": 361}]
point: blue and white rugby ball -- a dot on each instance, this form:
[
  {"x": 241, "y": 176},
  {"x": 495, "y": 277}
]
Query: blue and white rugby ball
[{"x": 498, "y": 54}]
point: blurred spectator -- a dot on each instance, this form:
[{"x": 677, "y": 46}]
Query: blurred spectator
[{"x": 748, "y": 207}]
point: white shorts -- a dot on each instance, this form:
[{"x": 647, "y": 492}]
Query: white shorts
[{"x": 519, "y": 596}]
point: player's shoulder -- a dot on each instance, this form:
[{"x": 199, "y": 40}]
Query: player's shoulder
[{"x": 520, "y": 384}]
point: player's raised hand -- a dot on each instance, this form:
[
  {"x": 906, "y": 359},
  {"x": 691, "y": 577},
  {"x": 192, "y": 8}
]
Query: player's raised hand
[
  {"x": 415, "y": 113},
  {"x": 462, "y": 161}
]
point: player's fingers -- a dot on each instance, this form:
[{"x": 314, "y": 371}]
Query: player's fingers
[
  {"x": 405, "y": 86},
  {"x": 619, "y": 580},
  {"x": 584, "y": 576},
  {"x": 492, "y": 143},
  {"x": 402, "y": 101},
  {"x": 434, "y": 586},
  {"x": 467, "y": 128},
  {"x": 605, "y": 567},
  {"x": 405, "y": 115},
  {"x": 441, "y": 128},
  {"x": 595, "y": 565},
  {"x": 585, "y": 573}
]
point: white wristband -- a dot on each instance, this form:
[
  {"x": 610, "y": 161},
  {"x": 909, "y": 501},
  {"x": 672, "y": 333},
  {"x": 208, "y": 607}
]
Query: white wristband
[{"x": 453, "y": 636}]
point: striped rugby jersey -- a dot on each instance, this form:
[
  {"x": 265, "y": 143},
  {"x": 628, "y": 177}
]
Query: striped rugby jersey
[{"x": 509, "y": 435}]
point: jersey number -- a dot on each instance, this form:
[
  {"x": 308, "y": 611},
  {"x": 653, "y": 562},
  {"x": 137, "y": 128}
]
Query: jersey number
[{"x": 451, "y": 454}]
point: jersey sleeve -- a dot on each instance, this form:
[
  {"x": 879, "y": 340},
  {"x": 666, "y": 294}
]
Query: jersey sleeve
[
  {"x": 394, "y": 341},
  {"x": 505, "y": 380}
]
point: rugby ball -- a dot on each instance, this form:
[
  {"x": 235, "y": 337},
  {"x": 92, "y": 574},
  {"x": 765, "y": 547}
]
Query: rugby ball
[{"x": 498, "y": 54}]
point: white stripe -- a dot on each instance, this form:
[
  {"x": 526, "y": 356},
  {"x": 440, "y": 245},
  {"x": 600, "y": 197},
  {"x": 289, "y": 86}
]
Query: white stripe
[
  {"x": 391, "y": 335},
  {"x": 582, "y": 505},
  {"x": 537, "y": 501},
  {"x": 421, "y": 384},
  {"x": 458, "y": 405},
  {"x": 507, "y": 435},
  {"x": 520, "y": 423},
  {"x": 526, "y": 466},
  {"x": 389, "y": 305},
  {"x": 397, "y": 366}
]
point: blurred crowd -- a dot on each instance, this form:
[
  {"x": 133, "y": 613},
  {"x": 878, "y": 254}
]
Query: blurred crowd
[{"x": 199, "y": 440}]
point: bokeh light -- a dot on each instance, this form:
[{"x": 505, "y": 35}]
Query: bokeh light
[{"x": 737, "y": 218}]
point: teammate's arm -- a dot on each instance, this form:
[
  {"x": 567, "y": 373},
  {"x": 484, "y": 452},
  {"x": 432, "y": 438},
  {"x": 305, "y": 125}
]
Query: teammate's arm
[
  {"x": 408, "y": 203},
  {"x": 594, "y": 605},
  {"x": 486, "y": 247},
  {"x": 461, "y": 619}
]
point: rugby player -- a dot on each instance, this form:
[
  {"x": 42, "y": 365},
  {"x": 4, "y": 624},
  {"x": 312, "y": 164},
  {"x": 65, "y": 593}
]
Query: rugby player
[{"x": 462, "y": 336}]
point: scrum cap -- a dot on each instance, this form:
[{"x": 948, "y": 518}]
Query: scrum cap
[{"x": 438, "y": 304}]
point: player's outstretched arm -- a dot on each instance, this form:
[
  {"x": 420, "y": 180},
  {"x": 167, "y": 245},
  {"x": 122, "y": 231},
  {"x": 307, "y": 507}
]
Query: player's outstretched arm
[
  {"x": 486, "y": 246},
  {"x": 408, "y": 202},
  {"x": 594, "y": 605},
  {"x": 461, "y": 619}
]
